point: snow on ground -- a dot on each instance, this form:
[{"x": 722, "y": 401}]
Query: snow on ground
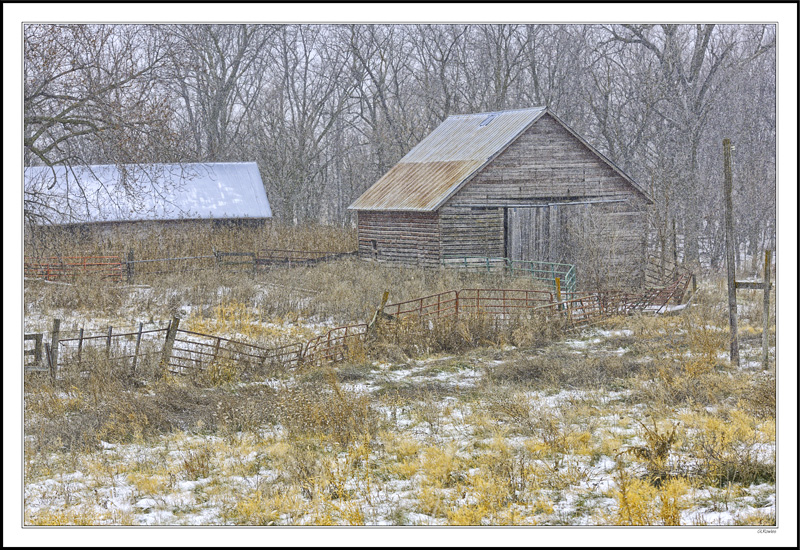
[{"x": 146, "y": 485}]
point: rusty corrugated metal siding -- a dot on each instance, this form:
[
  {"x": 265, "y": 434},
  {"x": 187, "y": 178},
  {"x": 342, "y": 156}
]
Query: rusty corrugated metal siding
[{"x": 435, "y": 169}]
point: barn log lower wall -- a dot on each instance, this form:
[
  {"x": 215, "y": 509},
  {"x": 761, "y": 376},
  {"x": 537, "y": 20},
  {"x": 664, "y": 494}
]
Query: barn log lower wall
[
  {"x": 476, "y": 232},
  {"x": 410, "y": 238}
]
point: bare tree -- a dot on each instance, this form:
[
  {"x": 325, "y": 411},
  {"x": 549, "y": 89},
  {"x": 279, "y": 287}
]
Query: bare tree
[
  {"x": 309, "y": 91},
  {"x": 690, "y": 60},
  {"x": 437, "y": 54},
  {"x": 327, "y": 109},
  {"x": 384, "y": 113},
  {"x": 91, "y": 96},
  {"x": 218, "y": 72},
  {"x": 495, "y": 60}
]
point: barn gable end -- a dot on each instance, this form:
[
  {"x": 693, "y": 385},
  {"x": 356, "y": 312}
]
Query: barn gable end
[{"x": 546, "y": 162}]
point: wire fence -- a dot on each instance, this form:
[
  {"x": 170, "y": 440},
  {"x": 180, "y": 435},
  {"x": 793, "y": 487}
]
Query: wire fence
[
  {"x": 66, "y": 268},
  {"x": 546, "y": 272},
  {"x": 180, "y": 352},
  {"x": 116, "y": 269}
]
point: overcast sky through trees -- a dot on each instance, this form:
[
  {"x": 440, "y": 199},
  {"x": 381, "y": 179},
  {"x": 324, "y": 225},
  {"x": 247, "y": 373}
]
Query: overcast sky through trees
[{"x": 325, "y": 110}]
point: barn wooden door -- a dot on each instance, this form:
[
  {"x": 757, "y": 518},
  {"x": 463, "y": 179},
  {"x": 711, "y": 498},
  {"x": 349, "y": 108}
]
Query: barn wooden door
[
  {"x": 528, "y": 234},
  {"x": 540, "y": 233}
]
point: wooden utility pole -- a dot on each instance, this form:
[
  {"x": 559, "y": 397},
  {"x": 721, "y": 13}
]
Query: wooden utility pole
[
  {"x": 53, "y": 355},
  {"x": 129, "y": 266},
  {"x": 730, "y": 252}
]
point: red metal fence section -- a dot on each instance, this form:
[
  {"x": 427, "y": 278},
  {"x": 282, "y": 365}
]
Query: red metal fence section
[
  {"x": 578, "y": 311},
  {"x": 184, "y": 352},
  {"x": 334, "y": 346},
  {"x": 493, "y": 301},
  {"x": 194, "y": 351},
  {"x": 69, "y": 267},
  {"x": 501, "y": 301},
  {"x": 650, "y": 300},
  {"x": 444, "y": 304},
  {"x": 124, "y": 344}
]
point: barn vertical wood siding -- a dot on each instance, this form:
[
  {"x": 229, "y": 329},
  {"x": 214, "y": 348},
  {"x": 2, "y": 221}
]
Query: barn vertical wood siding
[
  {"x": 535, "y": 179},
  {"x": 546, "y": 196}
]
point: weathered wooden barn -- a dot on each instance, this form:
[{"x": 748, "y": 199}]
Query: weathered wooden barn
[
  {"x": 517, "y": 184},
  {"x": 163, "y": 194}
]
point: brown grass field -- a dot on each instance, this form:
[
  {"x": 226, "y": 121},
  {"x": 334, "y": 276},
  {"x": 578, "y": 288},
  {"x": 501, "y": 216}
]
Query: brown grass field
[{"x": 641, "y": 420}]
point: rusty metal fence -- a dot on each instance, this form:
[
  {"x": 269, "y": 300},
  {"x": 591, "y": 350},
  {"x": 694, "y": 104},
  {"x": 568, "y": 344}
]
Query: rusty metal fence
[
  {"x": 444, "y": 304},
  {"x": 116, "y": 269},
  {"x": 194, "y": 352},
  {"x": 488, "y": 301},
  {"x": 69, "y": 267},
  {"x": 335, "y": 345},
  {"x": 178, "y": 351},
  {"x": 182, "y": 352},
  {"x": 649, "y": 300},
  {"x": 131, "y": 347}
]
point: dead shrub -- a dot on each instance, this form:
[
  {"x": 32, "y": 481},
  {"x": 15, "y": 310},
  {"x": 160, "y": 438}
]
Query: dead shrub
[
  {"x": 197, "y": 463},
  {"x": 332, "y": 413},
  {"x": 728, "y": 448},
  {"x": 760, "y": 399},
  {"x": 249, "y": 409},
  {"x": 414, "y": 336},
  {"x": 655, "y": 453},
  {"x": 557, "y": 368},
  {"x": 536, "y": 328}
]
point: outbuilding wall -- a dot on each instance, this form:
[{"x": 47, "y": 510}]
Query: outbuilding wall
[
  {"x": 549, "y": 197},
  {"x": 410, "y": 238}
]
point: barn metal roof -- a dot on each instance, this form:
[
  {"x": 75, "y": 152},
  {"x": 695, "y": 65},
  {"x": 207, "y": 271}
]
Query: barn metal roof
[
  {"x": 111, "y": 193},
  {"x": 448, "y": 157},
  {"x": 433, "y": 170}
]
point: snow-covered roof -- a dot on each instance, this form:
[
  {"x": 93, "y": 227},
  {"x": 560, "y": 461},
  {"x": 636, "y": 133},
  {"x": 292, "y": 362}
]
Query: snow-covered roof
[{"x": 111, "y": 193}]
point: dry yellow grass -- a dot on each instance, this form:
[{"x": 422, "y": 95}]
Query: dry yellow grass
[{"x": 359, "y": 443}]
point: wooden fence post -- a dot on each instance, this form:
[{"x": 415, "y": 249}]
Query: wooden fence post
[
  {"x": 54, "y": 339},
  {"x": 558, "y": 292},
  {"x": 765, "y": 333},
  {"x": 80, "y": 344},
  {"x": 166, "y": 353},
  {"x": 129, "y": 266},
  {"x": 730, "y": 251},
  {"x": 216, "y": 350},
  {"x": 379, "y": 311},
  {"x": 108, "y": 341},
  {"x": 136, "y": 351}
]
